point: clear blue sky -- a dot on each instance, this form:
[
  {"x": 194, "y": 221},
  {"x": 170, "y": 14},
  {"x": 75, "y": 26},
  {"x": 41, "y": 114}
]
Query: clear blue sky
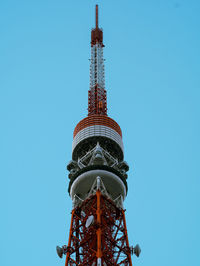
[{"x": 152, "y": 51}]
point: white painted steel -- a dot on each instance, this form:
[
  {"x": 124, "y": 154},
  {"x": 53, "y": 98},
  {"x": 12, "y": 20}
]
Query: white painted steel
[
  {"x": 97, "y": 67},
  {"x": 97, "y": 130},
  {"x": 89, "y": 221},
  {"x": 99, "y": 262},
  {"x": 83, "y": 183}
]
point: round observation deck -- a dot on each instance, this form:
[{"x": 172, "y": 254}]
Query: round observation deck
[
  {"x": 99, "y": 128},
  {"x": 83, "y": 183}
]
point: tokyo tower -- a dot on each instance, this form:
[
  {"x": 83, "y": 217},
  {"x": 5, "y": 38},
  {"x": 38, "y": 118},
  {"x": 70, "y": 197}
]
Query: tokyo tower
[{"x": 98, "y": 179}]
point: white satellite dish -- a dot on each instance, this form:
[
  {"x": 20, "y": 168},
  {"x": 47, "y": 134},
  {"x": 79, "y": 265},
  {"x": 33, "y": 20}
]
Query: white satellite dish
[
  {"x": 89, "y": 221},
  {"x": 83, "y": 213}
]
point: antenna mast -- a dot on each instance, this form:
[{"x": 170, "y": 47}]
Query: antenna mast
[
  {"x": 96, "y": 16},
  {"x": 97, "y": 99}
]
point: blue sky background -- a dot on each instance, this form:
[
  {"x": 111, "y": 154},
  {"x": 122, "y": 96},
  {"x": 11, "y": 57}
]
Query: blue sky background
[{"x": 152, "y": 51}]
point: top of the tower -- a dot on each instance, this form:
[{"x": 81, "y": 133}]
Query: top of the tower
[
  {"x": 97, "y": 102},
  {"x": 97, "y": 16},
  {"x": 97, "y": 139},
  {"x": 97, "y": 33}
]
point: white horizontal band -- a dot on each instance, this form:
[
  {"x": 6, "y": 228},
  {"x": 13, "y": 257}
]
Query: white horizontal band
[{"x": 97, "y": 130}]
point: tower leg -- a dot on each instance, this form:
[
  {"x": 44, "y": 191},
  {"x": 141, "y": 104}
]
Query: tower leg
[{"x": 98, "y": 234}]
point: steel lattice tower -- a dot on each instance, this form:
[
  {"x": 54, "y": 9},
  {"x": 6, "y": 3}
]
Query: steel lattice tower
[{"x": 98, "y": 179}]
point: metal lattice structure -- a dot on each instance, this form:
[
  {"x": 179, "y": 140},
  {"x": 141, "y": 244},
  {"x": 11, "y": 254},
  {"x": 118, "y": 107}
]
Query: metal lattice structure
[
  {"x": 104, "y": 239},
  {"x": 97, "y": 101},
  {"x": 98, "y": 179}
]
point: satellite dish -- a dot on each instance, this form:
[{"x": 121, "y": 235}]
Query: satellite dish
[
  {"x": 137, "y": 250},
  {"x": 89, "y": 221},
  {"x": 59, "y": 251}
]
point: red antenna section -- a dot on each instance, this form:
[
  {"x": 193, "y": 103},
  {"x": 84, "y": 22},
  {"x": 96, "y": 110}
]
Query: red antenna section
[
  {"x": 97, "y": 34},
  {"x": 96, "y": 16},
  {"x": 97, "y": 100}
]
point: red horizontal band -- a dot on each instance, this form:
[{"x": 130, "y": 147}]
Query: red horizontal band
[{"x": 97, "y": 120}]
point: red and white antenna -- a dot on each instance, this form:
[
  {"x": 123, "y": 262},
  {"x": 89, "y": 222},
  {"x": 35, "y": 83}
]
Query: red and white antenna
[{"x": 97, "y": 100}]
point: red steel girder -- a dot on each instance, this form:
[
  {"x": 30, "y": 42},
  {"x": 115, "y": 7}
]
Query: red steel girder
[{"x": 106, "y": 238}]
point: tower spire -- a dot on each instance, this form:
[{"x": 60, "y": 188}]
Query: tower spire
[
  {"x": 97, "y": 33},
  {"x": 97, "y": 101},
  {"x": 96, "y": 16}
]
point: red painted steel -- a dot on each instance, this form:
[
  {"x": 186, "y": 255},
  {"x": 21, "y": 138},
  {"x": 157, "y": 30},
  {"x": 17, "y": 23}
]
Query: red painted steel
[
  {"x": 97, "y": 101},
  {"x": 97, "y": 33},
  {"x": 105, "y": 238},
  {"x": 97, "y": 120},
  {"x": 97, "y": 17}
]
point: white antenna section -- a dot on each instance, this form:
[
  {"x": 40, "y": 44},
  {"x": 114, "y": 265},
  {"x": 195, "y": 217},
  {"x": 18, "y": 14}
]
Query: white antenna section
[{"x": 97, "y": 74}]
